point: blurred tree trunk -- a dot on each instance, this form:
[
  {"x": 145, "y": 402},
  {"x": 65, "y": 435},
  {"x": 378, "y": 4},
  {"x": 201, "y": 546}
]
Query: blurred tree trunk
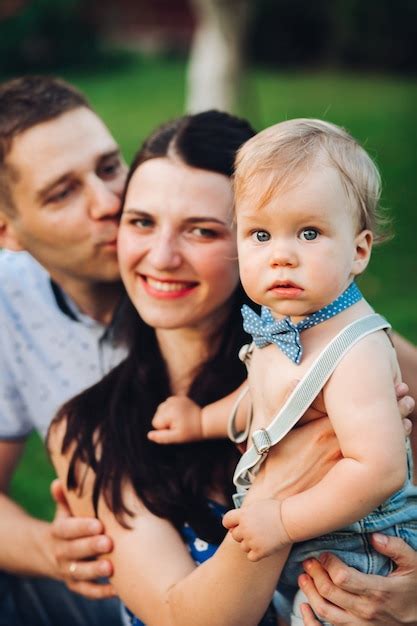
[{"x": 216, "y": 56}]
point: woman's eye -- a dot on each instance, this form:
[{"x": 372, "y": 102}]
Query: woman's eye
[
  {"x": 204, "y": 233},
  {"x": 143, "y": 223},
  {"x": 309, "y": 234},
  {"x": 261, "y": 236}
]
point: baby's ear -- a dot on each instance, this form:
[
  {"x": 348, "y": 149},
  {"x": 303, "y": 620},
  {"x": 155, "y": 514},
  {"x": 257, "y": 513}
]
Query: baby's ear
[{"x": 363, "y": 248}]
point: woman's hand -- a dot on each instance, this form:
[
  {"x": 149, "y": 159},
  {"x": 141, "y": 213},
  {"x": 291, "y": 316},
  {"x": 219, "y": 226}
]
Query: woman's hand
[{"x": 343, "y": 596}]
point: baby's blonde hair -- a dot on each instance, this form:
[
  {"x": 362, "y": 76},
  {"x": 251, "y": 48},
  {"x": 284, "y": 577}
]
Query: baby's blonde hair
[{"x": 289, "y": 148}]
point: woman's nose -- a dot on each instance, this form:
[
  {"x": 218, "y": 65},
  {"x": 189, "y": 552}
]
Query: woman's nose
[{"x": 165, "y": 253}]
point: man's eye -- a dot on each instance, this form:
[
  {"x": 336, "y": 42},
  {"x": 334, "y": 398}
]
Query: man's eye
[
  {"x": 309, "y": 234},
  {"x": 109, "y": 169},
  {"x": 261, "y": 236},
  {"x": 61, "y": 194}
]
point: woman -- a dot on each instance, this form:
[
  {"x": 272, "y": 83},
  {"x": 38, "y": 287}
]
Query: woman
[{"x": 178, "y": 261}]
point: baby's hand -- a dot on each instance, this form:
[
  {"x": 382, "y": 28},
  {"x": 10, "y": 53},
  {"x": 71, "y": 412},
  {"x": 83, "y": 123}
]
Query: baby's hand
[
  {"x": 177, "y": 420},
  {"x": 258, "y": 528}
]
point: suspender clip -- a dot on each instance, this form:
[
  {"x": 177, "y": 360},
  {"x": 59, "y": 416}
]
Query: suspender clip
[{"x": 261, "y": 441}]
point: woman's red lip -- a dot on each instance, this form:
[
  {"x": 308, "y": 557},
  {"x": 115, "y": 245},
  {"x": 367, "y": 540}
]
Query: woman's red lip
[
  {"x": 168, "y": 281},
  {"x": 167, "y": 289}
]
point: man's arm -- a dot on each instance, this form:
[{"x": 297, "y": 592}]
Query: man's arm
[
  {"x": 407, "y": 358},
  {"x": 34, "y": 547},
  {"x": 20, "y": 534}
]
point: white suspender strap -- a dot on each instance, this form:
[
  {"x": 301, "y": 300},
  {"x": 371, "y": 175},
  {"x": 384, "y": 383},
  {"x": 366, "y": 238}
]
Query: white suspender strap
[
  {"x": 232, "y": 432},
  {"x": 300, "y": 399}
]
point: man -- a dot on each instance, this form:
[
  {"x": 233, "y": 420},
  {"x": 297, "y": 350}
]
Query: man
[{"x": 61, "y": 178}]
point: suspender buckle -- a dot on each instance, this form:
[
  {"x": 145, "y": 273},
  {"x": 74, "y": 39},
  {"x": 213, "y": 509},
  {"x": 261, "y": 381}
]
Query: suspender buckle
[{"x": 261, "y": 441}]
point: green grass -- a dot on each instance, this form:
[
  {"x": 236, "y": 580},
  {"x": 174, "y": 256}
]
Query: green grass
[
  {"x": 379, "y": 111},
  {"x": 30, "y": 485}
]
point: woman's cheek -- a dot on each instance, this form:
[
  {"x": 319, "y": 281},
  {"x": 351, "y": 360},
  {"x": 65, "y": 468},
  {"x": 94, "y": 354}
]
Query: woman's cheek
[{"x": 224, "y": 269}]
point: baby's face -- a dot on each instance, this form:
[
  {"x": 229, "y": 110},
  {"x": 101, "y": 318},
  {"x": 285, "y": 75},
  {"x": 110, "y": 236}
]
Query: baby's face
[{"x": 301, "y": 249}]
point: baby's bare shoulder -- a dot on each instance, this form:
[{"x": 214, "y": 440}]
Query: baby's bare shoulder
[{"x": 372, "y": 357}]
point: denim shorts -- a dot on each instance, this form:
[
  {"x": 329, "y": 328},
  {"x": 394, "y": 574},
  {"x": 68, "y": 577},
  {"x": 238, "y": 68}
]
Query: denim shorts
[{"x": 352, "y": 548}]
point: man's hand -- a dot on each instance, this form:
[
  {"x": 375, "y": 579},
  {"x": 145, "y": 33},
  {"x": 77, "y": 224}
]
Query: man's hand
[
  {"x": 77, "y": 544},
  {"x": 258, "y": 528},
  {"x": 177, "y": 420},
  {"x": 344, "y": 596}
]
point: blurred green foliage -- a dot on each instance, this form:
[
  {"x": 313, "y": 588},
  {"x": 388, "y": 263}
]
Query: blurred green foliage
[
  {"x": 44, "y": 35},
  {"x": 370, "y": 34}
]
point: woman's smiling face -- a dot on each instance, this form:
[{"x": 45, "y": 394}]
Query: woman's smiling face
[{"x": 176, "y": 246}]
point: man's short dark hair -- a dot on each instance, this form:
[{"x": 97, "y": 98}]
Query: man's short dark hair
[{"x": 24, "y": 103}]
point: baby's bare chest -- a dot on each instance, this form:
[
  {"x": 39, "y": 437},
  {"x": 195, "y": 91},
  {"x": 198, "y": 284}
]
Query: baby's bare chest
[{"x": 272, "y": 377}]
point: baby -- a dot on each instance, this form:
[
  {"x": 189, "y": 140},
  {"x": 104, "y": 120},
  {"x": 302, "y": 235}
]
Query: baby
[{"x": 307, "y": 214}]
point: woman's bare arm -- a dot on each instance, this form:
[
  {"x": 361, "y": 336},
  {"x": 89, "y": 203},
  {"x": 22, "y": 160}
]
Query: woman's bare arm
[
  {"x": 156, "y": 577},
  {"x": 159, "y": 582}
]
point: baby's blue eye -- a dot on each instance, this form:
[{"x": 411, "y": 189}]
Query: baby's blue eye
[
  {"x": 261, "y": 236},
  {"x": 309, "y": 234}
]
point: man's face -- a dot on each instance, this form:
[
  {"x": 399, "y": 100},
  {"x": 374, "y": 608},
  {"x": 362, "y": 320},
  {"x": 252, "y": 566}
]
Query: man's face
[{"x": 66, "y": 193}]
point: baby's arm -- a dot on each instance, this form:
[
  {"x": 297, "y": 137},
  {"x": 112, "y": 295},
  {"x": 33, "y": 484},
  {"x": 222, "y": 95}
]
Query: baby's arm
[
  {"x": 361, "y": 403},
  {"x": 180, "y": 420}
]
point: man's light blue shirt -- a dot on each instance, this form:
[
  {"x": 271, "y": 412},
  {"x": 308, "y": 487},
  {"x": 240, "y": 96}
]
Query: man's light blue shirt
[{"x": 49, "y": 351}]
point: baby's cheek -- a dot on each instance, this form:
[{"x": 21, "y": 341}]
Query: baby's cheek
[{"x": 248, "y": 271}]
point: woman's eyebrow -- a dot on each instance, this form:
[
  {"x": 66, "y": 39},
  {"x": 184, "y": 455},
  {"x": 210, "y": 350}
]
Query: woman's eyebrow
[
  {"x": 204, "y": 218},
  {"x": 197, "y": 219},
  {"x": 134, "y": 211}
]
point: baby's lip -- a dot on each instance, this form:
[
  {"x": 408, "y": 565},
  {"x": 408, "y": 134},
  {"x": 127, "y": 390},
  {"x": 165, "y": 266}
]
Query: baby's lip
[{"x": 285, "y": 284}]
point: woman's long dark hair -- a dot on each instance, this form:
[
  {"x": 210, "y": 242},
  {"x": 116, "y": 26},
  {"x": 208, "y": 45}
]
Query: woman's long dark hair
[{"x": 108, "y": 423}]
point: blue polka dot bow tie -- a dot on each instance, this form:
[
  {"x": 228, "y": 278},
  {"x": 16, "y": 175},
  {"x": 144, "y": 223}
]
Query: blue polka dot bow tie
[{"x": 265, "y": 329}]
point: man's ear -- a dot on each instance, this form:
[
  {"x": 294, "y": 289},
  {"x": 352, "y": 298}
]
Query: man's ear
[
  {"x": 363, "y": 248},
  {"x": 8, "y": 237}
]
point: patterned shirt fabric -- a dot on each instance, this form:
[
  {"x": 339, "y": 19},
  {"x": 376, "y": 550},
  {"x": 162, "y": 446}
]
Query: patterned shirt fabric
[
  {"x": 201, "y": 551},
  {"x": 49, "y": 350}
]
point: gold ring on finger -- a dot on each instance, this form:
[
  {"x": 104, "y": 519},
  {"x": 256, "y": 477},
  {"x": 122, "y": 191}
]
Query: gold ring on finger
[{"x": 72, "y": 568}]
